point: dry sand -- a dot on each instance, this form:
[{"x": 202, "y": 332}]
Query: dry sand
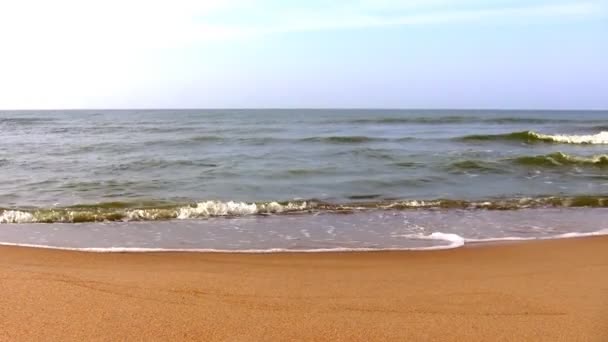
[{"x": 546, "y": 290}]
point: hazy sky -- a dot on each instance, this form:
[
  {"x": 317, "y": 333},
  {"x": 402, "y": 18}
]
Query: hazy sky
[{"x": 240, "y": 53}]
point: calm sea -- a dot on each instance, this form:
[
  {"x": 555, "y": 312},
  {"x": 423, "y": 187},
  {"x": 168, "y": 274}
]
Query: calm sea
[{"x": 299, "y": 179}]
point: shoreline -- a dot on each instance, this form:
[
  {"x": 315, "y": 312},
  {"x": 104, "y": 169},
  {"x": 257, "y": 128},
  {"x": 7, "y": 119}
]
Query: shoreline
[
  {"x": 513, "y": 290},
  {"x": 457, "y": 243}
]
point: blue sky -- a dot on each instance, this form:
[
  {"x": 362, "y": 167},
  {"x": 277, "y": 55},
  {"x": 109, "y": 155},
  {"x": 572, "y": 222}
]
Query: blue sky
[{"x": 240, "y": 53}]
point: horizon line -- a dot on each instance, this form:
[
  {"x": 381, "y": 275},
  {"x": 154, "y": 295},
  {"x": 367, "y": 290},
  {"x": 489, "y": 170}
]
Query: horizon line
[{"x": 310, "y": 108}]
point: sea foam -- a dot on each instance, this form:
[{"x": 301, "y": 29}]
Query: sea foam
[
  {"x": 217, "y": 208},
  {"x": 599, "y": 138},
  {"x": 16, "y": 216}
]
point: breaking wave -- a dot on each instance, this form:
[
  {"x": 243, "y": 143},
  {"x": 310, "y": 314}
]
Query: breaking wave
[
  {"x": 121, "y": 211},
  {"x": 534, "y": 137}
]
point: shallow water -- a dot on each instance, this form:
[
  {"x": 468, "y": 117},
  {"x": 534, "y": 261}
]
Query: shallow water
[{"x": 392, "y": 229}]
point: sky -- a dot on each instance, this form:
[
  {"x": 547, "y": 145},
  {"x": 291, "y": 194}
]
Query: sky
[{"x": 503, "y": 54}]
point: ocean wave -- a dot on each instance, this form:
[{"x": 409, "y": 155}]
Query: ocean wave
[
  {"x": 415, "y": 120},
  {"x": 534, "y": 137},
  {"x": 372, "y": 153},
  {"x": 408, "y": 164},
  {"x": 206, "y": 138},
  {"x": 452, "y": 119},
  {"x": 551, "y": 160},
  {"x": 153, "y": 211},
  {"x": 25, "y": 121},
  {"x": 308, "y": 172},
  {"x": 356, "y": 139},
  {"x": 364, "y": 196},
  {"x": 562, "y": 159},
  {"x": 123, "y": 211},
  {"x": 260, "y": 141},
  {"x": 141, "y": 165},
  {"x": 520, "y": 120},
  {"x": 476, "y": 166}
]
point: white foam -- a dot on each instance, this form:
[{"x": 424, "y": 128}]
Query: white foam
[
  {"x": 600, "y": 138},
  {"x": 412, "y": 204},
  {"x": 596, "y": 159},
  {"x": 552, "y": 237},
  {"x": 507, "y": 238},
  {"x": 577, "y": 234},
  {"x": 211, "y": 250},
  {"x": 16, "y": 216},
  {"x": 454, "y": 239},
  {"x": 217, "y": 208},
  {"x": 146, "y": 214}
]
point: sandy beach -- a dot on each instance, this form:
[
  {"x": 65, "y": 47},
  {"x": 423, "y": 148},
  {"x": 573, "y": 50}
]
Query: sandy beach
[{"x": 546, "y": 290}]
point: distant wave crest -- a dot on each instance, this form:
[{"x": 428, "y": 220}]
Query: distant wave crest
[
  {"x": 562, "y": 159},
  {"x": 534, "y": 137},
  {"x": 551, "y": 160}
]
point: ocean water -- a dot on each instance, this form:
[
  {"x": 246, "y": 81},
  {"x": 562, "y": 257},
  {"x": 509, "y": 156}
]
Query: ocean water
[{"x": 265, "y": 180}]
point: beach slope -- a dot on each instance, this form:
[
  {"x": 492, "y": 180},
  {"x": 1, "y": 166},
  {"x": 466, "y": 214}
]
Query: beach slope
[{"x": 544, "y": 290}]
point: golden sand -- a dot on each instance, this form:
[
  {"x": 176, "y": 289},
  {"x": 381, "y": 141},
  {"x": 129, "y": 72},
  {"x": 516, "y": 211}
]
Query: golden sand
[{"x": 546, "y": 290}]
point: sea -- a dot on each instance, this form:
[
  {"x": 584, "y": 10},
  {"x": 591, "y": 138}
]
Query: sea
[{"x": 306, "y": 180}]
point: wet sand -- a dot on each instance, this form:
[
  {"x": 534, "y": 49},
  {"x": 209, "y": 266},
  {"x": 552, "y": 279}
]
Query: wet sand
[{"x": 544, "y": 290}]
